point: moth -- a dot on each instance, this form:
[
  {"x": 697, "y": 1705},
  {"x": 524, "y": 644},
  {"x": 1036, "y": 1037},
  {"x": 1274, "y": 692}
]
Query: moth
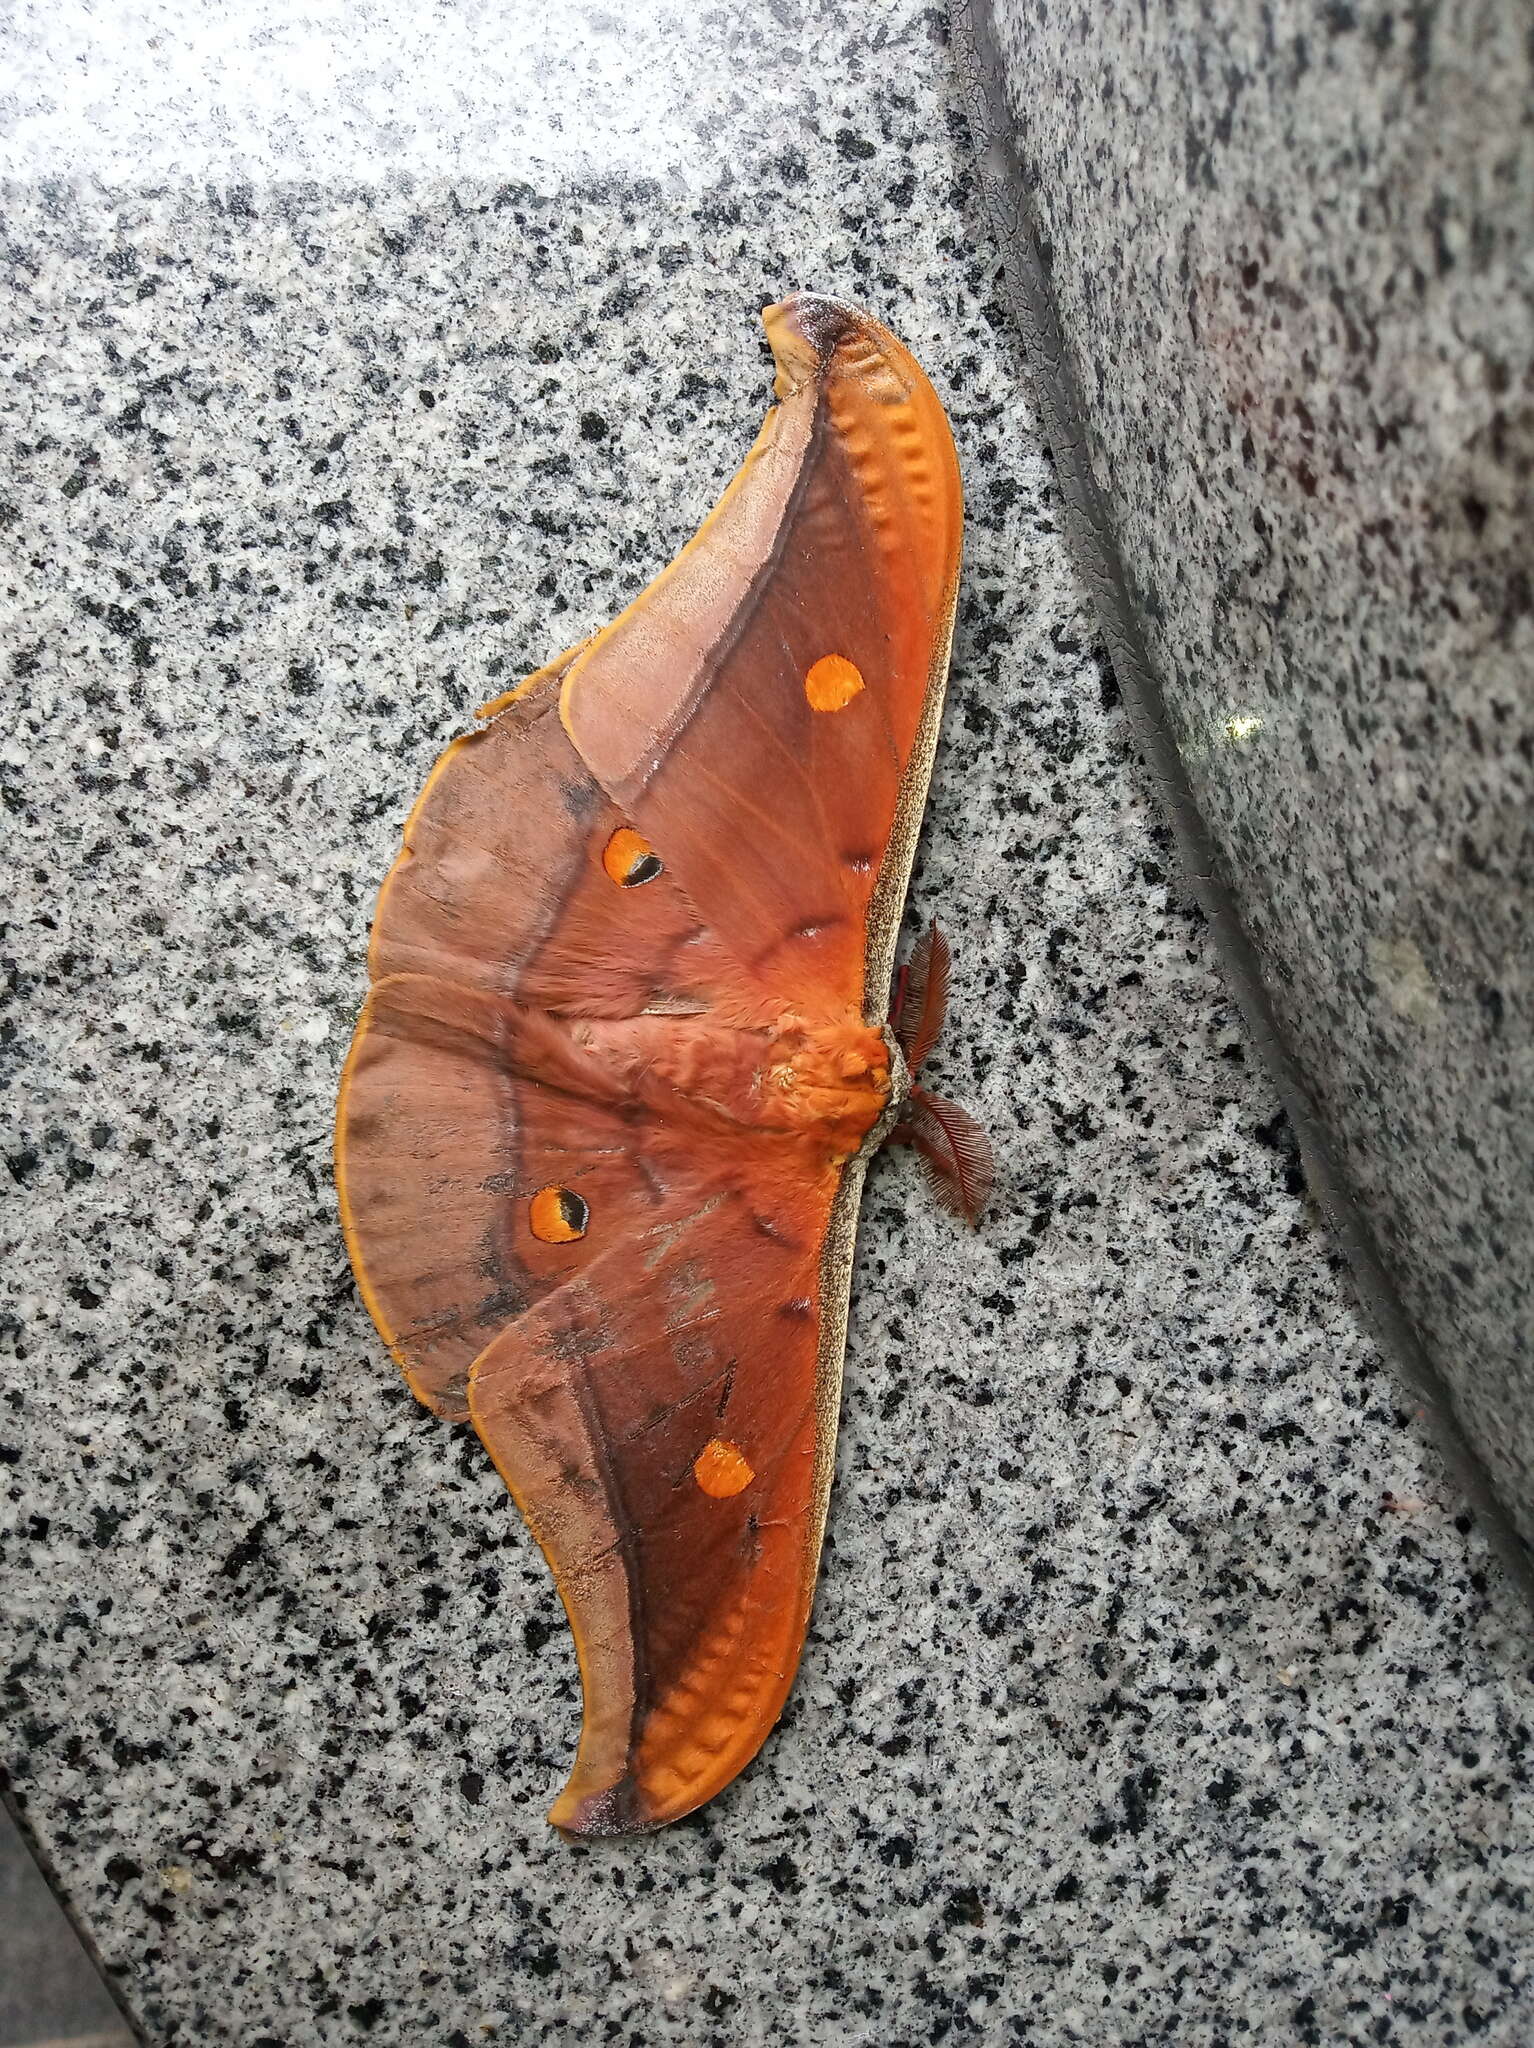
[{"x": 628, "y": 1049}]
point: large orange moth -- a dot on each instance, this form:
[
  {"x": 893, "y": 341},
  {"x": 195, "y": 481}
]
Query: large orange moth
[{"x": 628, "y": 1049}]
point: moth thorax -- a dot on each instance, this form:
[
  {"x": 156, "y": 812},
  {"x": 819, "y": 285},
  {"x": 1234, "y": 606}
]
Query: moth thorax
[{"x": 835, "y": 1076}]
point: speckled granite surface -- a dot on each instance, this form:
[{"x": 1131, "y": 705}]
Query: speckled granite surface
[
  {"x": 1290, "y": 255},
  {"x": 1157, "y": 1689}
]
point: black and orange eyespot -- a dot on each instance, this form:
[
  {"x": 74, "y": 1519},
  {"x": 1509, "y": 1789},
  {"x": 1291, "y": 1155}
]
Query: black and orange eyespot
[
  {"x": 558, "y": 1215},
  {"x": 630, "y": 860}
]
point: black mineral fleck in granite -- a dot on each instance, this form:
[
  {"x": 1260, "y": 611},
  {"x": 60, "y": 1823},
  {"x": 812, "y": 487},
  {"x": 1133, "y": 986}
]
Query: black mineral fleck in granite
[{"x": 1157, "y": 1690}]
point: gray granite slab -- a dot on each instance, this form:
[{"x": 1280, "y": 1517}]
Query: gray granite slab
[
  {"x": 1158, "y": 1688},
  {"x": 50, "y": 1995},
  {"x": 1290, "y": 275}
]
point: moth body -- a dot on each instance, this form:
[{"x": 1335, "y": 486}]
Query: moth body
[
  {"x": 798, "y": 1076},
  {"x": 627, "y": 1050}
]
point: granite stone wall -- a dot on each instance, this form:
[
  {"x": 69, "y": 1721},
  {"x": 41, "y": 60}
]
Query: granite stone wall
[{"x": 1278, "y": 269}]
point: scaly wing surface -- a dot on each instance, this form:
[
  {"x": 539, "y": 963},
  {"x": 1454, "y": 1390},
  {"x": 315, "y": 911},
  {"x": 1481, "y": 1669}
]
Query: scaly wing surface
[{"x": 706, "y": 813}]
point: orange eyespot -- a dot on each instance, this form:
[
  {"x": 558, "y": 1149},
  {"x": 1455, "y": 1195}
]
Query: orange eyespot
[
  {"x": 630, "y": 860},
  {"x": 721, "y": 1469},
  {"x": 832, "y": 682},
  {"x": 558, "y": 1215}
]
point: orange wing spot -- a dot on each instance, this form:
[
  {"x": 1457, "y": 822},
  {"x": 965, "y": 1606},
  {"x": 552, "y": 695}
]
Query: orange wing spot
[
  {"x": 721, "y": 1469},
  {"x": 558, "y": 1215},
  {"x": 832, "y": 682},
  {"x": 630, "y": 860}
]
